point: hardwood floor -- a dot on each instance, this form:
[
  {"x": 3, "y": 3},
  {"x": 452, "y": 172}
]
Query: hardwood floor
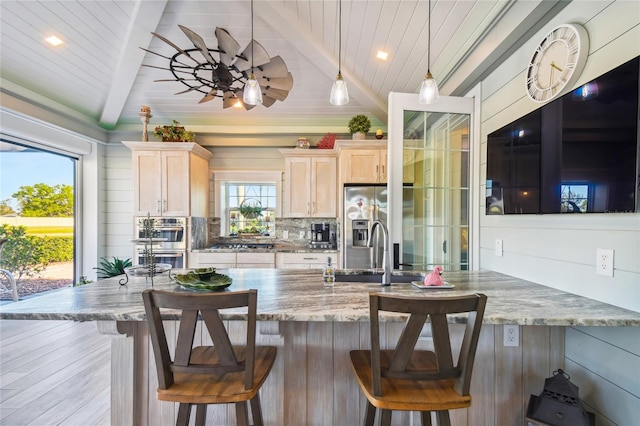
[{"x": 54, "y": 373}]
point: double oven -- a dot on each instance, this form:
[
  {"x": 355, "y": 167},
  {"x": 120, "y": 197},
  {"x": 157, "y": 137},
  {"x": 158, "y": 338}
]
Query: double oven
[{"x": 174, "y": 249}]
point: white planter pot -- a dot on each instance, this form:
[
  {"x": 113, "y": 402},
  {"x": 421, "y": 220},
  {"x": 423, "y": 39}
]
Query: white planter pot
[{"x": 358, "y": 136}]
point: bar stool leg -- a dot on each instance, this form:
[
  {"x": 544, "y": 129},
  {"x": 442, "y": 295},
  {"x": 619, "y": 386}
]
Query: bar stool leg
[{"x": 425, "y": 417}]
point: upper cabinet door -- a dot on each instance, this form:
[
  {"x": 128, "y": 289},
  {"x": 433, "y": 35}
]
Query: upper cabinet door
[
  {"x": 362, "y": 166},
  {"x": 147, "y": 183},
  {"x": 170, "y": 179},
  {"x": 176, "y": 190},
  {"x": 297, "y": 187},
  {"x": 310, "y": 184},
  {"x": 323, "y": 187}
]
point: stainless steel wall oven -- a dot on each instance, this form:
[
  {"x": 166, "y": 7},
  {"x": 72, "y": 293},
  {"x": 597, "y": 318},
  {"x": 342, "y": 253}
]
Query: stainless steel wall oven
[{"x": 171, "y": 251}]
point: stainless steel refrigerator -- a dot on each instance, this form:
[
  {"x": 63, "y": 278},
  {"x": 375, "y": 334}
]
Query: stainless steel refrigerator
[{"x": 363, "y": 205}]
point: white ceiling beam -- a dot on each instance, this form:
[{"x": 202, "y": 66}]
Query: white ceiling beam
[
  {"x": 289, "y": 27},
  {"x": 144, "y": 20}
]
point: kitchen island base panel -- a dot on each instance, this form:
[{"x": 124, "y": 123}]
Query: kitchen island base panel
[{"x": 312, "y": 383}]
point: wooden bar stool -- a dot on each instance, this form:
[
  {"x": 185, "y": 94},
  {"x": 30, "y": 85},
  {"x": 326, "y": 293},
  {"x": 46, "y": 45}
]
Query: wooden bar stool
[
  {"x": 407, "y": 379},
  {"x": 202, "y": 375}
]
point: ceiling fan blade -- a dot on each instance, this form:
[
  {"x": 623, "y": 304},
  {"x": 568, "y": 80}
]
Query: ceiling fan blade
[
  {"x": 260, "y": 57},
  {"x": 172, "y": 45},
  {"x": 199, "y": 43},
  {"x": 278, "y": 94},
  {"x": 267, "y": 101},
  {"x": 276, "y": 68},
  {"x": 229, "y": 99},
  {"x": 282, "y": 83},
  {"x": 190, "y": 89},
  {"x": 228, "y": 45},
  {"x": 163, "y": 56},
  {"x": 209, "y": 96},
  {"x": 168, "y": 69}
]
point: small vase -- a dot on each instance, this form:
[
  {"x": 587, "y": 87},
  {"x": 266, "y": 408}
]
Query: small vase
[{"x": 358, "y": 136}]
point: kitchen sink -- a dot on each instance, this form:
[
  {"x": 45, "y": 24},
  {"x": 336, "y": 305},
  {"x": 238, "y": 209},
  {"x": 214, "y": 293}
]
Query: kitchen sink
[{"x": 375, "y": 277}]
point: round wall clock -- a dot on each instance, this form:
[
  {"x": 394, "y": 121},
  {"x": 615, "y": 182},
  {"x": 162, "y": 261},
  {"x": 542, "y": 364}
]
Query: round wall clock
[{"x": 557, "y": 62}]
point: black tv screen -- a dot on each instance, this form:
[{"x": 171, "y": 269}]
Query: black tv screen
[{"x": 576, "y": 154}]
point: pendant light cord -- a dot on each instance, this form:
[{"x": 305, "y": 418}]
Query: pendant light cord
[
  {"x": 428, "y": 40},
  {"x": 252, "y": 36},
  {"x": 340, "y": 37}
]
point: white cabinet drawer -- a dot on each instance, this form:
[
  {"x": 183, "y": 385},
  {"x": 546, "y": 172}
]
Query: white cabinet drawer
[
  {"x": 217, "y": 260},
  {"x": 255, "y": 260},
  {"x": 307, "y": 260}
]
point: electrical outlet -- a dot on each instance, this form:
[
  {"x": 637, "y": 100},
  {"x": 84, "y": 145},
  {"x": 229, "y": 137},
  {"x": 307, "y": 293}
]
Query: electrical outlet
[
  {"x": 302, "y": 235},
  {"x": 511, "y": 335},
  {"x": 499, "y": 248},
  {"x": 604, "y": 262},
  {"x": 285, "y": 235}
]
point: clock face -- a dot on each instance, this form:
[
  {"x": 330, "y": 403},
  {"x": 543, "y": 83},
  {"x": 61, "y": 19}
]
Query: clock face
[{"x": 557, "y": 62}]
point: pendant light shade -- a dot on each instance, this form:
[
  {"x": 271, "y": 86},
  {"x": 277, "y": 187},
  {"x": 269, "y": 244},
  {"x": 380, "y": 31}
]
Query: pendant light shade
[
  {"x": 429, "y": 88},
  {"x": 339, "y": 92},
  {"x": 252, "y": 95}
]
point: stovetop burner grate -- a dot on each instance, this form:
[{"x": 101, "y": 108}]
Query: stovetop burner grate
[{"x": 243, "y": 246}]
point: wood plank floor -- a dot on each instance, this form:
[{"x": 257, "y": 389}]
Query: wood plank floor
[{"x": 54, "y": 373}]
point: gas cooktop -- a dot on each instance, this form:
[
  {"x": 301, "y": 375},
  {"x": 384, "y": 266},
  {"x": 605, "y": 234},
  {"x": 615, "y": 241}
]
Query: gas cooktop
[{"x": 243, "y": 246}]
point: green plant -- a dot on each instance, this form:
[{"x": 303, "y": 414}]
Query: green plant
[
  {"x": 24, "y": 255},
  {"x": 174, "y": 133},
  {"x": 359, "y": 123},
  {"x": 112, "y": 268},
  {"x": 250, "y": 212}
]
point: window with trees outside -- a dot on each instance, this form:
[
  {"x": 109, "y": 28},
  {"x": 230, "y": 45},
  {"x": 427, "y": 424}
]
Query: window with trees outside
[{"x": 37, "y": 217}]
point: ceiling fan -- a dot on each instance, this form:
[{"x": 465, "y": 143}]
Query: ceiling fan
[{"x": 223, "y": 72}]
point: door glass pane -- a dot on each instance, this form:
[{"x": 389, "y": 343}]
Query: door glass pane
[
  {"x": 37, "y": 206},
  {"x": 436, "y": 154}
]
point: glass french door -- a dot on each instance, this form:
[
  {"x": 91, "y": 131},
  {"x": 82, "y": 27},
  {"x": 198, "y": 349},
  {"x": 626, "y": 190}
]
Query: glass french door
[{"x": 429, "y": 186}]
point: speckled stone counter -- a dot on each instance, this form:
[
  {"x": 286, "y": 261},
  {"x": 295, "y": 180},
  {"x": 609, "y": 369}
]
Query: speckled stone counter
[
  {"x": 298, "y": 295},
  {"x": 314, "y": 328}
]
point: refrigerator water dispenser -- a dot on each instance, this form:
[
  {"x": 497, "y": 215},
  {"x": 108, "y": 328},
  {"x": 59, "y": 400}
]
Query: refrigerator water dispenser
[{"x": 360, "y": 232}]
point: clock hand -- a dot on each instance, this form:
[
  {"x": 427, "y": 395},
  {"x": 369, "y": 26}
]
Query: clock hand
[{"x": 553, "y": 65}]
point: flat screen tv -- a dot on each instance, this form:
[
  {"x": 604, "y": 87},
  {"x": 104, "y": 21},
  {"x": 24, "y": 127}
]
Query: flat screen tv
[{"x": 576, "y": 154}]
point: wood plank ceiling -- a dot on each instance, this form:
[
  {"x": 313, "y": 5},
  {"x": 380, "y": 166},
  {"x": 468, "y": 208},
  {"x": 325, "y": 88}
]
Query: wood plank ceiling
[{"x": 96, "y": 76}]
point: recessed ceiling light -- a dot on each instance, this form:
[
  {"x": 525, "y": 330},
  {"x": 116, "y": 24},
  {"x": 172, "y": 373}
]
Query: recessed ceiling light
[
  {"x": 54, "y": 40},
  {"x": 382, "y": 55}
]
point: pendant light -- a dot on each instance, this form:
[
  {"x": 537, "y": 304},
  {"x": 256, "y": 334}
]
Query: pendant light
[
  {"x": 252, "y": 95},
  {"x": 339, "y": 92},
  {"x": 429, "y": 89}
]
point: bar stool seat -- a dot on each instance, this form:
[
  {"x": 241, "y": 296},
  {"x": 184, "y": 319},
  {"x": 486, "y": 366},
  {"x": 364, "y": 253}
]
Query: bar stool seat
[{"x": 406, "y": 379}]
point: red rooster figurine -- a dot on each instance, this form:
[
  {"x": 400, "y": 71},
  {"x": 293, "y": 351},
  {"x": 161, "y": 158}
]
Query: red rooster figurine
[{"x": 434, "y": 278}]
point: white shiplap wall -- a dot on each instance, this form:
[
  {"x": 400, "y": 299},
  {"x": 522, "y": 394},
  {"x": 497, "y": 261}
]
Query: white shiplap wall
[{"x": 560, "y": 251}]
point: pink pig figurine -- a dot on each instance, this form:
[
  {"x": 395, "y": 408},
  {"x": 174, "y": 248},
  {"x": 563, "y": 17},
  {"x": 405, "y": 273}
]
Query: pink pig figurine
[{"x": 434, "y": 278}]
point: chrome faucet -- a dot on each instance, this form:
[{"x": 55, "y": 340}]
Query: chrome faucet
[{"x": 386, "y": 258}]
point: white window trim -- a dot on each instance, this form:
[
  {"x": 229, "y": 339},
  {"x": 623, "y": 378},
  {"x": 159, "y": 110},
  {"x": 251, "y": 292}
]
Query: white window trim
[{"x": 245, "y": 176}]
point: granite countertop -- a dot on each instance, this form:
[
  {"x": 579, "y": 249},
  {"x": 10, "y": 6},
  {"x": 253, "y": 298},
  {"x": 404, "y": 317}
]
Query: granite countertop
[
  {"x": 278, "y": 248},
  {"x": 299, "y": 295}
]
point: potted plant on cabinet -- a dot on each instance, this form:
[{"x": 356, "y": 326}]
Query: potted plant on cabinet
[
  {"x": 359, "y": 125},
  {"x": 174, "y": 133}
]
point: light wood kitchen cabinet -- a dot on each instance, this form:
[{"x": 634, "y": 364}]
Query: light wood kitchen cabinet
[
  {"x": 231, "y": 260},
  {"x": 310, "y": 183},
  {"x": 308, "y": 260},
  {"x": 214, "y": 259},
  {"x": 255, "y": 260},
  {"x": 364, "y": 166},
  {"x": 170, "y": 178}
]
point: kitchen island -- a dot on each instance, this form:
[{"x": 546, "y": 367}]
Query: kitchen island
[{"x": 315, "y": 327}]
